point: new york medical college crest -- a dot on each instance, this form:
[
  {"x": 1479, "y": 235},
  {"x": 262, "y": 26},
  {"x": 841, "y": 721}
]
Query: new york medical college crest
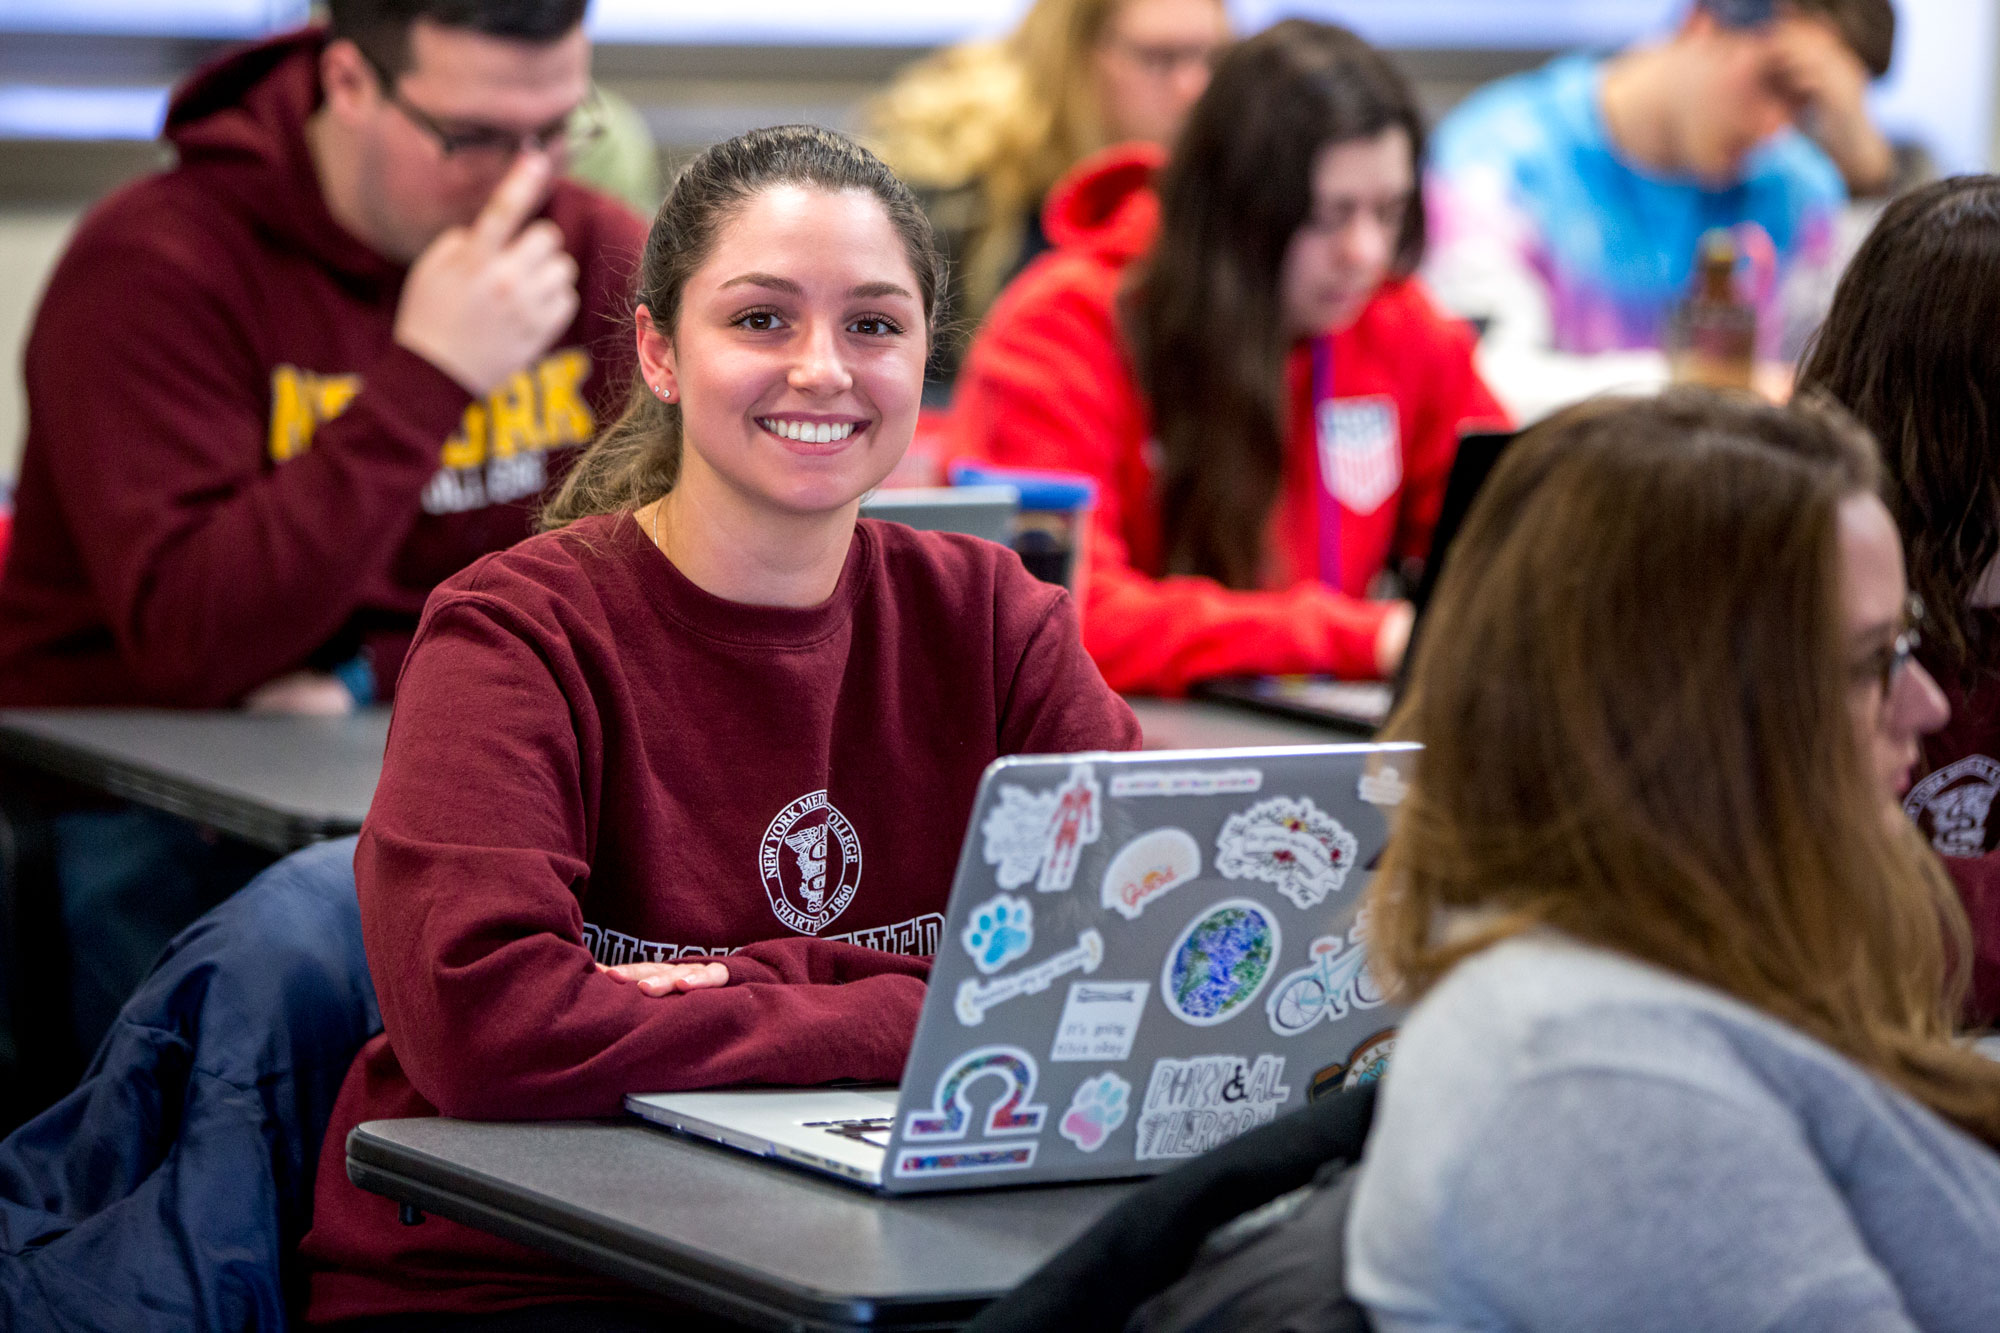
[{"x": 810, "y": 860}]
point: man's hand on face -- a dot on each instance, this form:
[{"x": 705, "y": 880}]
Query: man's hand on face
[
  {"x": 1830, "y": 84},
  {"x": 483, "y": 301}
]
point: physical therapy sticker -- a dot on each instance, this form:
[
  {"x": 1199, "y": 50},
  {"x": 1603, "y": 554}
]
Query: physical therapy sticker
[
  {"x": 1001, "y": 929},
  {"x": 1007, "y": 1073},
  {"x": 1039, "y": 836},
  {"x": 1149, "y": 866},
  {"x": 1952, "y": 805},
  {"x": 810, "y": 860},
  {"x": 1194, "y": 1105},
  {"x": 976, "y": 997},
  {"x": 1220, "y": 961},
  {"x": 1100, "y": 1020},
  {"x": 1290, "y": 843},
  {"x": 1182, "y": 782},
  {"x": 1099, "y": 1106}
]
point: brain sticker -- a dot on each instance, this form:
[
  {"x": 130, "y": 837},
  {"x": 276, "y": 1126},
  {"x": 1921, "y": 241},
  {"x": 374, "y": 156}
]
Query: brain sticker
[
  {"x": 1290, "y": 843},
  {"x": 1100, "y": 1106},
  {"x": 1220, "y": 962},
  {"x": 1001, "y": 929},
  {"x": 1147, "y": 867}
]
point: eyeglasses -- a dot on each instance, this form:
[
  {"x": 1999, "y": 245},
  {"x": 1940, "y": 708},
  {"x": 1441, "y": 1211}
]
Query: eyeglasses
[
  {"x": 575, "y": 130},
  {"x": 1163, "y": 60},
  {"x": 1885, "y": 665}
]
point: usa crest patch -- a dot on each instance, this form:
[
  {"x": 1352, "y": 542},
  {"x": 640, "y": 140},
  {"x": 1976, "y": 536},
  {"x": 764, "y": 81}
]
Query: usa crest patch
[{"x": 1361, "y": 450}]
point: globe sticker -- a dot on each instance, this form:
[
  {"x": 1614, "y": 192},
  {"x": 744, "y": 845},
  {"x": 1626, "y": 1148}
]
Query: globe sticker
[
  {"x": 1040, "y": 836},
  {"x": 1099, "y": 1106},
  {"x": 1149, "y": 866},
  {"x": 1001, "y": 929},
  {"x": 1290, "y": 843},
  {"x": 1220, "y": 962}
]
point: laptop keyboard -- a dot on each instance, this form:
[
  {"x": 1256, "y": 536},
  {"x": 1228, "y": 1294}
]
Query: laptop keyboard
[{"x": 874, "y": 1130}]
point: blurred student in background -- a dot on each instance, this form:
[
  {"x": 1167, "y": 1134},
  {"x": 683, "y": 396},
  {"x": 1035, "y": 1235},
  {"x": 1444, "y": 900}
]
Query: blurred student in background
[
  {"x": 983, "y": 130},
  {"x": 1231, "y": 344},
  {"x": 1567, "y": 203},
  {"x": 704, "y": 702},
  {"x": 278, "y": 392},
  {"x": 1908, "y": 348},
  {"x": 1682, "y": 1055}
]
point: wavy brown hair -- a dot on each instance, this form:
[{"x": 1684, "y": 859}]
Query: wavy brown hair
[
  {"x": 1908, "y": 347},
  {"x": 638, "y": 457},
  {"x": 1202, "y": 312},
  {"x": 1634, "y": 696}
]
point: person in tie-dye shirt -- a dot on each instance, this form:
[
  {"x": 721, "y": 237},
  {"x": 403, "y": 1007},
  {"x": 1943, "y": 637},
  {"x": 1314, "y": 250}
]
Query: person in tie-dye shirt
[{"x": 1567, "y": 203}]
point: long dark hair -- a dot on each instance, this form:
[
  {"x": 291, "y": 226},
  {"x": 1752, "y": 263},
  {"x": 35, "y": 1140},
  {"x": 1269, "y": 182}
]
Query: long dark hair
[
  {"x": 1203, "y": 312},
  {"x": 1634, "y": 699},
  {"x": 638, "y": 457},
  {"x": 1909, "y": 349}
]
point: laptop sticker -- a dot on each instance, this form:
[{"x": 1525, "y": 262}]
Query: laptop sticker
[
  {"x": 1040, "y": 836},
  {"x": 1335, "y": 983},
  {"x": 1001, "y": 929},
  {"x": 1370, "y": 1059},
  {"x": 975, "y": 997},
  {"x": 952, "y": 1113},
  {"x": 1100, "y": 1020},
  {"x": 1149, "y": 866},
  {"x": 1194, "y": 1105},
  {"x": 1385, "y": 787},
  {"x": 1290, "y": 843},
  {"x": 1220, "y": 961},
  {"x": 1228, "y": 782},
  {"x": 1098, "y": 1107}
]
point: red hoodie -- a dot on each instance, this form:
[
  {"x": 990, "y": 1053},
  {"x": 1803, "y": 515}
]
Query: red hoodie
[
  {"x": 594, "y": 761},
  {"x": 1953, "y": 805},
  {"x": 231, "y": 469},
  {"x": 1049, "y": 384}
]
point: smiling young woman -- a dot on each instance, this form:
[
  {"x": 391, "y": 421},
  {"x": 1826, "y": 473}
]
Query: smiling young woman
[{"x": 676, "y": 788}]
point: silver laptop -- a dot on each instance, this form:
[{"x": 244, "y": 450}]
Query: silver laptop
[{"x": 1144, "y": 956}]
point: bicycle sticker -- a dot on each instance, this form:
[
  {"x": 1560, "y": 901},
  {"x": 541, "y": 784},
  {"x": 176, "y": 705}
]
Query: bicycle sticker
[
  {"x": 1001, "y": 929},
  {"x": 1335, "y": 983},
  {"x": 1288, "y": 842},
  {"x": 1099, "y": 1106},
  {"x": 1148, "y": 867},
  {"x": 1194, "y": 1105},
  {"x": 976, "y": 997},
  {"x": 1220, "y": 961},
  {"x": 1040, "y": 836},
  {"x": 1100, "y": 1020}
]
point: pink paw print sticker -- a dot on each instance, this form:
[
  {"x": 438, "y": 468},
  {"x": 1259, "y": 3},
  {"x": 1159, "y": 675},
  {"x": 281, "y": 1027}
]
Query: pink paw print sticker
[{"x": 1098, "y": 1108}]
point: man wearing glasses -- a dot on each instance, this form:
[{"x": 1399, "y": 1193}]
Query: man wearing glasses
[{"x": 279, "y": 391}]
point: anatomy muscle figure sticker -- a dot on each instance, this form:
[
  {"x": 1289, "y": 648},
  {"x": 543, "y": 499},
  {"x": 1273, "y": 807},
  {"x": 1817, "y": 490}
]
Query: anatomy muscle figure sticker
[
  {"x": 1147, "y": 867},
  {"x": 1100, "y": 1020},
  {"x": 1040, "y": 836},
  {"x": 1288, "y": 842},
  {"x": 1220, "y": 961},
  {"x": 1099, "y": 1106},
  {"x": 1202, "y": 1103}
]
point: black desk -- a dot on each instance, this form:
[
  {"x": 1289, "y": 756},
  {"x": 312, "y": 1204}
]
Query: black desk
[
  {"x": 761, "y": 1243},
  {"x": 275, "y": 781}
]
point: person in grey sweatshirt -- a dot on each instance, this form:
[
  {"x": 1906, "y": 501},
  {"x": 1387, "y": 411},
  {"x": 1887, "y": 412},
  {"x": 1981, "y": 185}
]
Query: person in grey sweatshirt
[{"x": 1682, "y": 1056}]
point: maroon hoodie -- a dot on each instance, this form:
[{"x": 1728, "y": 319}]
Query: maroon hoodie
[{"x": 231, "y": 470}]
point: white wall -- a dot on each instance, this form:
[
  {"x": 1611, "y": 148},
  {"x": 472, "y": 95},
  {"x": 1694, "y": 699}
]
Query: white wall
[{"x": 30, "y": 240}]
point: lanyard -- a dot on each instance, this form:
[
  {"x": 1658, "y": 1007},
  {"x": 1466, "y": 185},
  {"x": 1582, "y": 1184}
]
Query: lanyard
[{"x": 1324, "y": 446}]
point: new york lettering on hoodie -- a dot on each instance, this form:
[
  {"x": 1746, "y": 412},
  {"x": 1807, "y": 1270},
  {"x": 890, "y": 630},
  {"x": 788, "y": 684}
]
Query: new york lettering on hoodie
[
  {"x": 231, "y": 470},
  {"x": 1049, "y": 383}
]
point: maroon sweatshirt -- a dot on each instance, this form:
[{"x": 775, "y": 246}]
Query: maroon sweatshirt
[
  {"x": 593, "y": 760},
  {"x": 231, "y": 469},
  {"x": 1953, "y": 804}
]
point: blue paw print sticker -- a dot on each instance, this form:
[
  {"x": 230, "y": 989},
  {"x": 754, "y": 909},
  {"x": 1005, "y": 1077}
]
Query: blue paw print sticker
[{"x": 1002, "y": 929}]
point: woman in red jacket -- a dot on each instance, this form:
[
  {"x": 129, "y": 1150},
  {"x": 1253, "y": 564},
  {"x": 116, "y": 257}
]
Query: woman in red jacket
[
  {"x": 1908, "y": 348},
  {"x": 1232, "y": 345}
]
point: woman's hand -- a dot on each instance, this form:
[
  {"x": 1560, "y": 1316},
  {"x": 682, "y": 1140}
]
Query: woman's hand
[{"x": 666, "y": 978}]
